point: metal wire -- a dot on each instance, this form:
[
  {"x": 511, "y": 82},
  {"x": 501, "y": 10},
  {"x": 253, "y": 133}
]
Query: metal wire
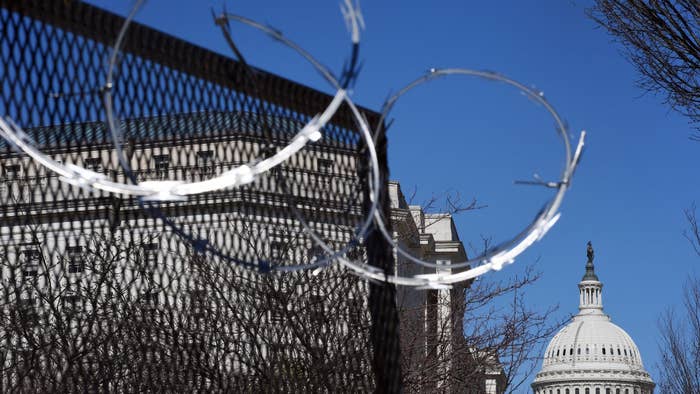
[
  {"x": 505, "y": 252},
  {"x": 169, "y": 298},
  {"x": 176, "y": 190},
  {"x": 170, "y": 190}
]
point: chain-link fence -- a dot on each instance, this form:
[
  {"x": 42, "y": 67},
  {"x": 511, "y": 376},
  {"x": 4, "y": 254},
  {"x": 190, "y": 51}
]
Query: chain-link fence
[{"x": 106, "y": 293}]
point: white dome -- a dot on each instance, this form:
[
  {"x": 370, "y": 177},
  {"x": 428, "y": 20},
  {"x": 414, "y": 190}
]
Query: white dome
[
  {"x": 592, "y": 342},
  {"x": 591, "y": 355}
]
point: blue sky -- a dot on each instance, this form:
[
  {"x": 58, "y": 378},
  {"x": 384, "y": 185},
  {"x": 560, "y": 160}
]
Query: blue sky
[{"x": 476, "y": 137}]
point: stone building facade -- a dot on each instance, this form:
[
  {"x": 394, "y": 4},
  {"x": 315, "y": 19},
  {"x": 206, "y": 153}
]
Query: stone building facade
[{"x": 436, "y": 357}]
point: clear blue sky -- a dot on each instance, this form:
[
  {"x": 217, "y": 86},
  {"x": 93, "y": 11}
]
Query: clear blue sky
[{"x": 475, "y": 138}]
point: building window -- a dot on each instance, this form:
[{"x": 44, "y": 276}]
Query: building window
[
  {"x": 588, "y": 391},
  {"x": 316, "y": 299},
  {"x": 198, "y": 303},
  {"x": 324, "y": 165},
  {"x": 205, "y": 162},
  {"x": 150, "y": 253},
  {"x": 276, "y": 317},
  {"x": 161, "y": 163},
  {"x": 71, "y": 302},
  {"x": 316, "y": 253},
  {"x": 71, "y": 297},
  {"x": 278, "y": 249},
  {"x": 26, "y": 311},
  {"x": 76, "y": 261},
  {"x": 94, "y": 164},
  {"x": 146, "y": 274},
  {"x": 277, "y": 348},
  {"x": 11, "y": 171},
  {"x": 150, "y": 299},
  {"x": 30, "y": 258},
  {"x": 576, "y": 391},
  {"x": 148, "y": 259}
]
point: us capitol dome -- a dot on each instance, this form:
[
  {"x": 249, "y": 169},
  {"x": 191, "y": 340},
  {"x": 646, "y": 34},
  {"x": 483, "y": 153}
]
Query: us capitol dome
[{"x": 591, "y": 355}]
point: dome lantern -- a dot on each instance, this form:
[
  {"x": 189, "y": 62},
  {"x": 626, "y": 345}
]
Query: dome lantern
[{"x": 590, "y": 288}]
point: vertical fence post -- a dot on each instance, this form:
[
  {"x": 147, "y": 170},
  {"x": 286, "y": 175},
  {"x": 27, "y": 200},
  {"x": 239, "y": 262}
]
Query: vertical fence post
[{"x": 386, "y": 361}]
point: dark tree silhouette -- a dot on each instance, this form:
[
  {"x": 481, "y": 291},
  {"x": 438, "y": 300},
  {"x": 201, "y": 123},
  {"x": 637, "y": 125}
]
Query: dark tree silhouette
[
  {"x": 478, "y": 339},
  {"x": 662, "y": 39}
]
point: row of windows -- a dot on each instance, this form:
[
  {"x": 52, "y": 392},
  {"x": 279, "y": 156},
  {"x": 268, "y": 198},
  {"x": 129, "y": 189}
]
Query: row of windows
[
  {"x": 75, "y": 257},
  {"x": 279, "y": 249},
  {"x": 72, "y": 303},
  {"x": 31, "y": 258},
  {"x": 587, "y": 390},
  {"x": 610, "y": 351},
  {"x": 161, "y": 164}
]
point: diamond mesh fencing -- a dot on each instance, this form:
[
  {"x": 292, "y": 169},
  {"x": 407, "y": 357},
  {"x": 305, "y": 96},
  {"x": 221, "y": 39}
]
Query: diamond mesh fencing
[{"x": 109, "y": 293}]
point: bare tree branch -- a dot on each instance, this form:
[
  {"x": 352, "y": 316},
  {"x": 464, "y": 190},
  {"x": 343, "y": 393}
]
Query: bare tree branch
[
  {"x": 470, "y": 340},
  {"x": 692, "y": 234},
  {"x": 679, "y": 344},
  {"x": 661, "y": 38}
]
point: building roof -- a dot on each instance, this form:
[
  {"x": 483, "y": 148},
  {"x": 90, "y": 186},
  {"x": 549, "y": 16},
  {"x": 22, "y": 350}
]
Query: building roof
[{"x": 179, "y": 126}]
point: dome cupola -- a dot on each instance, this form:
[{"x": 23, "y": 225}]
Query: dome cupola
[{"x": 590, "y": 288}]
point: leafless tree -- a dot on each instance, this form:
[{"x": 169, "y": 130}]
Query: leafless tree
[
  {"x": 450, "y": 202},
  {"x": 302, "y": 331},
  {"x": 196, "y": 323},
  {"x": 662, "y": 39},
  {"x": 679, "y": 344},
  {"x": 62, "y": 332},
  {"x": 516, "y": 333},
  {"x": 692, "y": 234},
  {"x": 471, "y": 341},
  {"x": 473, "y": 332}
]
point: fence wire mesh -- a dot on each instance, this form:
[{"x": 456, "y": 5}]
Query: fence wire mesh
[{"x": 107, "y": 293}]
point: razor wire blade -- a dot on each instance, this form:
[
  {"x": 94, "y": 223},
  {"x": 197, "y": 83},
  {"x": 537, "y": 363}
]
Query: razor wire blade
[
  {"x": 341, "y": 84},
  {"x": 504, "y": 253},
  {"x": 152, "y": 192},
  {"x": 172, "y": 190},
  {"x": 177, "y": 190}
]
